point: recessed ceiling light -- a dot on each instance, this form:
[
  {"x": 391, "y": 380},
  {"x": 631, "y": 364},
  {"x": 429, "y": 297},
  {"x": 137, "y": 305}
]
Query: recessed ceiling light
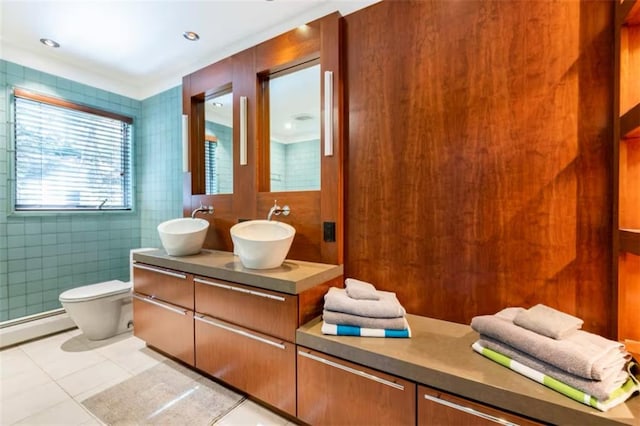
[
  {"x": 49, "y": 43},
  {"x": 190, "y": 35}
]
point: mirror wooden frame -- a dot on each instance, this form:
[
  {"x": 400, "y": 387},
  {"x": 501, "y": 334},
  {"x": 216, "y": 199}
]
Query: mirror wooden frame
[{"x": 312, "y": 212}]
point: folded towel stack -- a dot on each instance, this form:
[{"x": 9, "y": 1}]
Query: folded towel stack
[
  {"x": 361, "y": 310},
  {"x": 549, "y": 346}
]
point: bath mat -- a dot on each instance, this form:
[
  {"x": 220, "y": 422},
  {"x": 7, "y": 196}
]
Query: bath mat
[{"x": 167, "y": 394}]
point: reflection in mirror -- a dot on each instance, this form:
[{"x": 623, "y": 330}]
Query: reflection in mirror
[
  {"x": 218, "y": 144},
  {"x": 294, "y": 122}
]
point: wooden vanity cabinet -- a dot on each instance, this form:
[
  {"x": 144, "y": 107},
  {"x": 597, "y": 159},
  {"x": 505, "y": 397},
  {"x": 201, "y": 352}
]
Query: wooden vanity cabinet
[
  {"x": 245, "y": 336},
  {"x": 166, "y": 327},
  {"x": 258, "y": 364},
  {"x": 163, "y": 310},
  {"x": 171, "y": 286},
  {"x": 264, "y": 311},
  {"x": 241, "y": 334},
  {"x": 332, "y": 391},
  {"x": 440, "y": 408}
]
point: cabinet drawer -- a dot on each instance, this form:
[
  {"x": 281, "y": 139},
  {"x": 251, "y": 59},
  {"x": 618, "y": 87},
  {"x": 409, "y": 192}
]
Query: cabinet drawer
[
  {"x": 268, "y": 312},
  {"x": 257, "y": 364},
  {"x": 164, "y": 326},
  {"x": 436, "y": 408},
  {"x": 171, "y": 286},
  {"x": 332, "y": 391}
]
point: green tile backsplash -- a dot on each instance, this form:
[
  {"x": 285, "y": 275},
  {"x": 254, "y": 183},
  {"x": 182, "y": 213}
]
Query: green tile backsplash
[{"x": 43, "y": 255}]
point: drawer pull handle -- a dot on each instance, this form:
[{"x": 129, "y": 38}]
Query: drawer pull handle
[
  {"x": 240, "y": 289},
  {"x": 469, "y": 410},
  {"x": 160, "y": 271},
  {"x": 149, "y": 299},
  {"x": 352, "y": 370},
  {"x": 204, "y": 319}
]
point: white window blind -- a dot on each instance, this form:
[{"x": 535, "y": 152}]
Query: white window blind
[
  {"x": 70, "y": 157},
  {"x": 210, "y": 167}
]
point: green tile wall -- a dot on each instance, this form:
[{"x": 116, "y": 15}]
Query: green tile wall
[
  {"x": 159, "y": 162},
  {"x": 41, "y": 256}
]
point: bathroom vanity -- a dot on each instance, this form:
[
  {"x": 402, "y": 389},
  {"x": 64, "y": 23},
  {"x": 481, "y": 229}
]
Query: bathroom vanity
[
  {"x": 236, "y": 324},
  {"x": 432, "y": 378},
  {"x": 228, "y": 321}
]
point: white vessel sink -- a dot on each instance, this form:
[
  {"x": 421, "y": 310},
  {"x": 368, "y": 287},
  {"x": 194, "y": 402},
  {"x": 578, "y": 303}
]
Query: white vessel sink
[
  {"x": 183, "y": 236},
  {"x": 262, "y": 244}
]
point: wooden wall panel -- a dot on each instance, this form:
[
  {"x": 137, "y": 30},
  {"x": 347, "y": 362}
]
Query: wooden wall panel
[
  {"x": 477, "y": 172},
  {"x": 629, "y": 296},
  {"x": 304, "y": 217}
]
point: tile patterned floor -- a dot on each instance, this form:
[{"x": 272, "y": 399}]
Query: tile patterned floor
[{"x": 45, "y": 381}]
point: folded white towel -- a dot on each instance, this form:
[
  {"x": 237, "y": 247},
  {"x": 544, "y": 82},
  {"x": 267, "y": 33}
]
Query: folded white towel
[
  {"x": 388, "y": 306},
  {"x": 601, "y": 389},
  {"x": 357, "y": 289},
  {"x": 581, "y": 353},
  {"x": 331, "y": 317},
  {"x": 548, "y": 321}
]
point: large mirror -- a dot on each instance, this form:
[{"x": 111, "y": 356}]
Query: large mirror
[
  {"x": 294, "y": 128},
  {"x": 218, "y": 143}
]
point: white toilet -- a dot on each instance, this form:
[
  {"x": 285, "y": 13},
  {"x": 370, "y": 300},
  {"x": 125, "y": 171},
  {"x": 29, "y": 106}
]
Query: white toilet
[{"x": 102, "y": 310}]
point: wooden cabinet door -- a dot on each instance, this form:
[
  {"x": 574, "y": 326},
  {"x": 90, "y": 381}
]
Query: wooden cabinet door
[
  {"x": 332, "y": 391},
  {"x": 170, "y": 286},
  {"x": 164, "y": 326},
  {"x": 255, "y": 363},
  {"x": 268, "y": 312},
  {"x": 439, "y": 408}
]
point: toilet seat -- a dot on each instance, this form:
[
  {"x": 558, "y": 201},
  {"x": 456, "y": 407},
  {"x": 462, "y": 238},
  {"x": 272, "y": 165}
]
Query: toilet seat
[{"x": 95, "y": 291}]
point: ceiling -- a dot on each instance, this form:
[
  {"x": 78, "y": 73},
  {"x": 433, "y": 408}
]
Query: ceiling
[{"x": 135, "y": 47}]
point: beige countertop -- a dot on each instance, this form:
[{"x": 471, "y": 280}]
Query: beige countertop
[
  {"x": 439, "y": 355},
  {"x": 293, "y": 277}
]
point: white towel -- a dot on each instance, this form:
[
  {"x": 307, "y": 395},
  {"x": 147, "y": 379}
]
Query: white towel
[
  {"x": 548, "y": 321},
  {"x": 583, "y": 354},
  {"x": 388, "y": 306},
  {"x": 357, "y": 289}
]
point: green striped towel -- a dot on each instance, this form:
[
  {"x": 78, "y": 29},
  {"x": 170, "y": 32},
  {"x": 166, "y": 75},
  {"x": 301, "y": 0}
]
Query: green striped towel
[{"x": 616, "y": 397}]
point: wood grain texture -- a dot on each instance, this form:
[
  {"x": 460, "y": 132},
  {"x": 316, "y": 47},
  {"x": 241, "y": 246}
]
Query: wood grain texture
[
  {"x": 278, "y": 318},
  {"x": 434, "y": 413},
  {"x": 478, "y": 155},
  {"x": 629, "y": 66},
  {"x": 629, "y": 184},
  {"x": 357, "y": 401},
  {"x": 170, "y": 289},
  {"x": 311, "y": 302},
  {"x": 304, "y": 217},
  {"x": 629, "y": 296},
  {"x": 332, "y": 194},
  {"x": 630, "y": 241},
  {"x": 170, "y": 332},
  {"x": 626, "y": 169},
  {"x": 630, "y": 123},
  {"x": 262, "y": 370}
]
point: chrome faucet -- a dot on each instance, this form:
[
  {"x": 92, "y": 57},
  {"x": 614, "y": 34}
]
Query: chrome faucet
[
  {"x": 202, "y": 208},
  {"x": 277, "y": 210}
]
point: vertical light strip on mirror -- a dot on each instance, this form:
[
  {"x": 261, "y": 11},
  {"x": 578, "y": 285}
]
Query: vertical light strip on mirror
[
  {"x": 185, "y": 143},
  {"x": 243, "y": 130},
  {"x": 328, "y": 113}
]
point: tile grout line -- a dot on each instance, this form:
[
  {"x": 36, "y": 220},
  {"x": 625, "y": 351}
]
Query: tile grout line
[
  {"x": 55, "y": 381},
  {"x": 222, "y": 415}
]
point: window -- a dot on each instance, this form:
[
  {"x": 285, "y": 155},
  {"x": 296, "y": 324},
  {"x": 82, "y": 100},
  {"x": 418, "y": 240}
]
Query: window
[
  {"x": 69, "y": 156},
  {"x": 210, "y": 164}
]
